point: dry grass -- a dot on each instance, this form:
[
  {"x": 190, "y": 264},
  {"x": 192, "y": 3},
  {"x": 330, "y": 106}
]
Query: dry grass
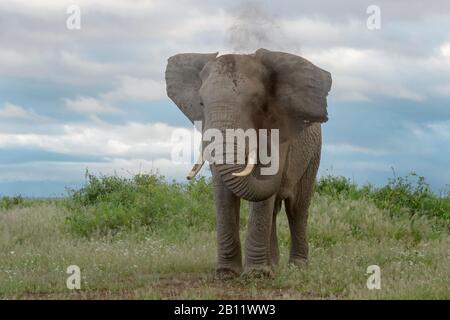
[{"x": 346, "y": 236}]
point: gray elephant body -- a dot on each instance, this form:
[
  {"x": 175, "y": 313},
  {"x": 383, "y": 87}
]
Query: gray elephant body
[{"x": 266, "y": 90}]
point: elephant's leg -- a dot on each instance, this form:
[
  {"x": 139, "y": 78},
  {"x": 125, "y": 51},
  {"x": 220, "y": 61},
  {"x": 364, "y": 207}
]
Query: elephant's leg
[
  {"x": 229, "y": 257},
  {"x": 297, "y": 212},
  {"x": 257, "y": 245},
  {"x": 274, "y": 250}
]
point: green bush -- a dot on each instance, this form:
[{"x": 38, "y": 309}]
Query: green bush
[
  {"x": 410, "y": 194},
  {"x": 338, "y": 187},
  {"x": 110, "y": 203},
  {"x": 11, "y": 202}
]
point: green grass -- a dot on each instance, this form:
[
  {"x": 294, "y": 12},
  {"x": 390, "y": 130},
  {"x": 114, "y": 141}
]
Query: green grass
[{"x": 144, "y": 237}]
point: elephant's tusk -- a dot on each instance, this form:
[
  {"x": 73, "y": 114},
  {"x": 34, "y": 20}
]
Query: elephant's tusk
[
  {"x": 196, "y": 168},
  {"x": 252, "y": 158}
]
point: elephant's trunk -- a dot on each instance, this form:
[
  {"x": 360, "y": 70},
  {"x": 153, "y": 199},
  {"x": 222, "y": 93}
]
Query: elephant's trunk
[
  {"x": 253, "y": 187},
  {"x": 244, "y": 180}
]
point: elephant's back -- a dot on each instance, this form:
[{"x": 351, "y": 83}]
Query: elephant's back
[{"x": 304, "y": 149}]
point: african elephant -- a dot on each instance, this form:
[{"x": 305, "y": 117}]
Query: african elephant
[{"x": 265, "y": 90}]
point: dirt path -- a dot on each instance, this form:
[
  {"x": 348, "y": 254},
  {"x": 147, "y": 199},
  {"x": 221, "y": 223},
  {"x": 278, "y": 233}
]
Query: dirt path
[{"x": 178, "y": 286}]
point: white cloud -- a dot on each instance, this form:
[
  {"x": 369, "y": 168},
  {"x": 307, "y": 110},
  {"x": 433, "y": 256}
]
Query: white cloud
[
  {"x": 11, "y": 58},
  {"x": 12, "y": 111},
  {"x": 364, "y": 64},
  {"x": 123, "y": 46},
  {"x": 130, "y": 88},
  {"x": 445, "y": 49},
  {"x": 144, "y": 89},
  {"x": 120, "y": 148},
  {"x": 89, "y": 105},
  {"x": 363, "y": 74},
  {"x": 73, "y": 171},
  {"x": 443, "y": 90},
  {"x": 440, "y": 129},
  {"x": 435, "y": 64},
  {"x": 311, "y": 31},
  {"x": 130, "y": 140}
]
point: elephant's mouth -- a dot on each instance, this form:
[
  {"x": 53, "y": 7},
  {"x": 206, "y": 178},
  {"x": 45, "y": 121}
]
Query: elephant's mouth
[
  {"x": 246, "y": 179},
  {"x": 250, "y": 165}
]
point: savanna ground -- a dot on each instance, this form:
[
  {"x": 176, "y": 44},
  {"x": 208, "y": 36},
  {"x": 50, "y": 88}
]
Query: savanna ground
[{"x": 146, "y": 238}]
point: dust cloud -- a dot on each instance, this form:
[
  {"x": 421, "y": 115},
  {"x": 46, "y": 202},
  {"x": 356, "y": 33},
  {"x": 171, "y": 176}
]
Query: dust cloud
[{"x": 254, "y": 27}]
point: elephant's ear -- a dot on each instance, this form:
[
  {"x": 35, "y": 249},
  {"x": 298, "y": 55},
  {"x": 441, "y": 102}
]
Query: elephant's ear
[
  {"x": 183, "y": 82},
  {"x": 300, "y": 88}
]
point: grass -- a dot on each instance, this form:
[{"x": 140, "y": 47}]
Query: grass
[{"x": 146, "y": 238}]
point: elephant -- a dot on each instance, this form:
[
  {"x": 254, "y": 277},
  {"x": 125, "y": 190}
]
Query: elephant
[{"x": 263, "y": 90}]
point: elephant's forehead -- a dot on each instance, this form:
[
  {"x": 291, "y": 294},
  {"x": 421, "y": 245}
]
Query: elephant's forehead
[{"x": 234, "y": 64}]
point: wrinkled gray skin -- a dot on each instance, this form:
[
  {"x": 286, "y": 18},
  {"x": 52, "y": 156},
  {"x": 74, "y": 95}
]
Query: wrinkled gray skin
[{"x": 264, "y": 90}]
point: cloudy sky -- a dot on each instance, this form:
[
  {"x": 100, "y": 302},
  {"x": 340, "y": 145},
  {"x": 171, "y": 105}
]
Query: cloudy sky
[{"x": 94, "y": 98}]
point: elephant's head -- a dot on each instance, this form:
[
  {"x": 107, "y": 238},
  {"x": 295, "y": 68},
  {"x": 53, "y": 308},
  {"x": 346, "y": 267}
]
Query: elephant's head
[{"x": 264, "y": 90}]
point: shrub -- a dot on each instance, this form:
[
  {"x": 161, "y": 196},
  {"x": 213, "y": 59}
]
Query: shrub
[
  {"x": 337, "y": 187},
  {"x": 110, "y": 203},
  {"x": 409, "y": 194},
  {"x": 11, "y": 202}
]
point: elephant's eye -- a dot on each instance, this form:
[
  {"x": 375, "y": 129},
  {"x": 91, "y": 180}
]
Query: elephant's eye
[
  {"x": 259, "y": 102},
  {"x": 264, "y": 106}
]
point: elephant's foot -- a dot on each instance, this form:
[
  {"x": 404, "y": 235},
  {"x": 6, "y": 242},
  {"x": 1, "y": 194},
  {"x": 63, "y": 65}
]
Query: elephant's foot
[
  {"x": 227, "y": 273},
  {"x": 258, "y": 272},
  {"x": 298, "y": 262}
]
